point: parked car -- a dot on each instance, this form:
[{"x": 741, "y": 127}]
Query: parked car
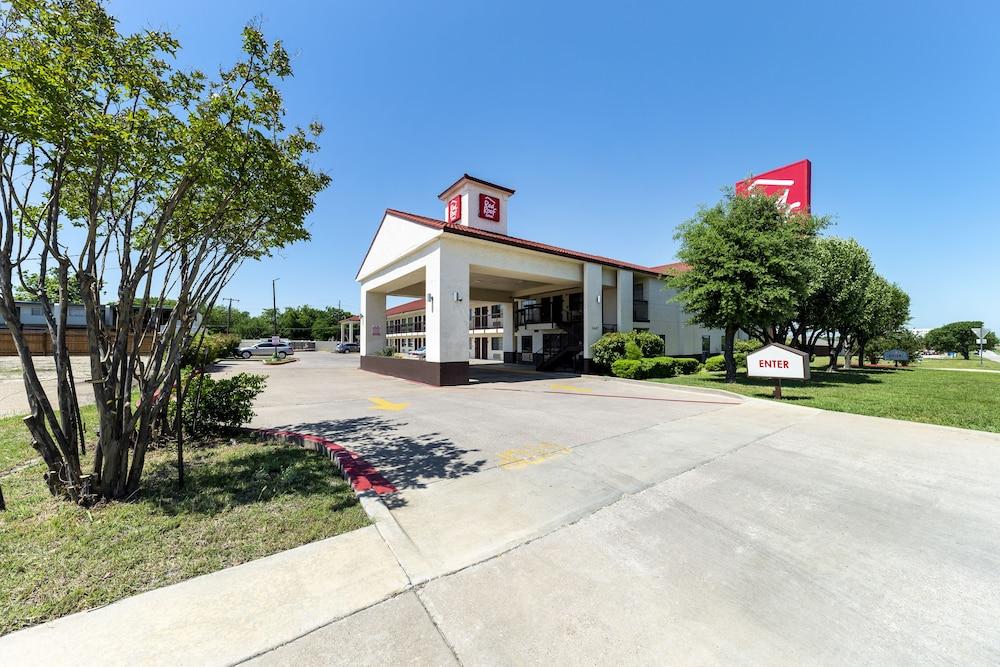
[
  {"x": 266, "y": 348},
  {"x": 420, "y": 353},
  {"x": 344, "y": 348}
]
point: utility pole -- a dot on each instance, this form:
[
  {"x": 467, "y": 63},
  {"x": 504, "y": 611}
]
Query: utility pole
[
  {"x": 274, "y": 306},
  {"x": 229, "y": 313}
]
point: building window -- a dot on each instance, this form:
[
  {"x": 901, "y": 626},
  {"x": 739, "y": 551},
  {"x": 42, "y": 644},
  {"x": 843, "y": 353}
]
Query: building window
[
  {"x": 495, "y": 310},
  {"x": 496, "y": 343},
  {"x": 706, "y": 345},
  {"x": 525, "y": 343},
  {"x": 36, "y": 311}
]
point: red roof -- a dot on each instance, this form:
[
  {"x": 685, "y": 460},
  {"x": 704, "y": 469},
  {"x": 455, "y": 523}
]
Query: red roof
[
  {"x": 495, "y": 237},
  {"x": 352, "y": 318},
  {"x": 409, "y": 306},
  {"x": 674, "y": 267}
]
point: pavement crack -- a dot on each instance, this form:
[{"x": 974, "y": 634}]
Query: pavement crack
[{"x": 434, "y": 622}]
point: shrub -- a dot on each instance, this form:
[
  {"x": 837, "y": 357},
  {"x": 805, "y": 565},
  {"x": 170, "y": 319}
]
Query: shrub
[
  {"x": 741, "y": 349},
  {"x": 387, "y": 352},
  {"x": 207, "y": 347},
  {"x": 627, "y": 368},
  {"x": 222, "y": 403},
  {"x": 658, "y": 367},
  {"x": 632, "y": 350},
  {"x": 611, "y": 347},
  {"x": 716, "y": 363},
  {"x": 687, "y": 366}
]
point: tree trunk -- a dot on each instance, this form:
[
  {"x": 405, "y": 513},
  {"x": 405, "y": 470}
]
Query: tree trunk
[
  {"x": 861, "y": 354},
  {"x": 727, "y": 350},
  {"x": 178, "y": 411},
  {"x": 3, "y": 503},
  {"x": 834, "y": 353}
]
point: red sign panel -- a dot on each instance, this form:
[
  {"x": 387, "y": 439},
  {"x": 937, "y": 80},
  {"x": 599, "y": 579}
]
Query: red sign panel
[
  {"x": 792, "y": 183},
  {"x": 454, "y": 209},
  {"x": 489, "y": 208}
]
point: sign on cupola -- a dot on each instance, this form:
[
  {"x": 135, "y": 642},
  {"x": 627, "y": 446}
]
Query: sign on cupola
[
  {"x": 489, "y": 207},
  {"x": 473, "y": 202}
]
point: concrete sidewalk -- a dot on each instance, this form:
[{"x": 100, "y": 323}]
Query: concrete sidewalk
[{"x": 223, "y": 617}]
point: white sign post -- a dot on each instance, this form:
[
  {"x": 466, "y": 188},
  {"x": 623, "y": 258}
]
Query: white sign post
[
  {"x": 981, "y": 333},
  {"x": 779, "y": 362}
]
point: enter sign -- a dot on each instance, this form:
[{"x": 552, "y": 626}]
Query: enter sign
[{"x": 778, "y": 361}]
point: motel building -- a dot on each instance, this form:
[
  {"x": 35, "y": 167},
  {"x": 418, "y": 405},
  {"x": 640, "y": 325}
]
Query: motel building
[{"x": 477, "y": 292}]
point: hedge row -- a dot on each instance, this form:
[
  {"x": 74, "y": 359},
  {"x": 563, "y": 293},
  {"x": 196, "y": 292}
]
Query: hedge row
[{"x": 655, "y": 367}]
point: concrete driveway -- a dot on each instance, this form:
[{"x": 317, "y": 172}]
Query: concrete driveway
[{"x": 583, "y": 520}]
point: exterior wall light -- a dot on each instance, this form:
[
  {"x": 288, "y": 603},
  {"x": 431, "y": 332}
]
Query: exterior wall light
[
  {"x": 458, "y": 297},
  {"x": 598, "y": 298},
  {"x": 430, "y": 298}
]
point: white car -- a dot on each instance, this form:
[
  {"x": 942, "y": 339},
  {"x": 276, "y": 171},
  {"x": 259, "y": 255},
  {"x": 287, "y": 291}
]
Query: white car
[
  {"x": 419, "y": 353},
  {"x": 266, "y": 348}
]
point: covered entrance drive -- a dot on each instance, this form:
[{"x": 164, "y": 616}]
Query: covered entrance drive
[{"x": 555, "y": 303}]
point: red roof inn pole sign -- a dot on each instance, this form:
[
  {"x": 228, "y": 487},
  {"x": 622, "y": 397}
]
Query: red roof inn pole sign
[
  {"x": 792, "y": 183},
  {"x": 778, "y": 361}
]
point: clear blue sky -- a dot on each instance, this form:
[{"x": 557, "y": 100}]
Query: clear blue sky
[{"x": 614, "y": 121}]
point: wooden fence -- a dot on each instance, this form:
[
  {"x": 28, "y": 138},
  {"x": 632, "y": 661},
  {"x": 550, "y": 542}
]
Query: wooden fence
[{"x": 40, "y": 343}]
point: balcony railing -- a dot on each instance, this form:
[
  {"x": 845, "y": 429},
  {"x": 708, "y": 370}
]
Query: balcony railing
[
  {"x": 546, "y": 313},
  {"x": 640, "y": 310},
  {"x": 403, "y": 327},
  {"x": 485, "y": 322}
]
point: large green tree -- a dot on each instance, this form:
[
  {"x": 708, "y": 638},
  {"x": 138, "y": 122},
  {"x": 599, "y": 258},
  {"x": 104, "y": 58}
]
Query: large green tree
[
  {"x": 886, "y": 309},
  {"x": 957, "y": 337},
  {"x": 167, "y": 177},
  {"x": 750, "y": 266},
  {"x": 840, "y": 273}
]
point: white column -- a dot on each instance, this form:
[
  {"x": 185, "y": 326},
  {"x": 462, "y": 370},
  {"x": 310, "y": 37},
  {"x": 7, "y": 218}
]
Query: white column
[
  {"x": 372, "y": 322},
  {"x": 447, "y": 275},
  {"x": 509, "y": 351},
  {"x": 593, "y": 314},
  {"x": 624, "y": 307},
  {"x": 342, "y": 333}
]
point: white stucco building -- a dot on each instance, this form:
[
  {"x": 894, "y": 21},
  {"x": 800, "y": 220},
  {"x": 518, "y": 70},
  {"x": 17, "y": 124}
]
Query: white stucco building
[{"x": 552, "y": 303}]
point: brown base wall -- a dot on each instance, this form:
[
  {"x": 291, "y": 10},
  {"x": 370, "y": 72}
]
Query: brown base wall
[{"x": 442, "y": 374}]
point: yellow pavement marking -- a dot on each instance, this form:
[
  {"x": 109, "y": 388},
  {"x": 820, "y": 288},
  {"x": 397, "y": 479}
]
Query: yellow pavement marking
[
  {"x": 570, "y": 387},
  {"x": 382, "y": 404},
  {"x": 522, "y": 457}
]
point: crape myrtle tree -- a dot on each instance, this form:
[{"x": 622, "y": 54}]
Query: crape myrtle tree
[
  {"x": 119, "y": 170},
  {"x": 750, "y": 267}
]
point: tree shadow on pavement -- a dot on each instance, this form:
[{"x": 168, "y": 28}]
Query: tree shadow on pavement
[{"x": 408, "y": 461}]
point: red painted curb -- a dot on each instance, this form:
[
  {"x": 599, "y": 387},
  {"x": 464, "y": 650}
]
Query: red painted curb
[{"x": 362, "y": 475}]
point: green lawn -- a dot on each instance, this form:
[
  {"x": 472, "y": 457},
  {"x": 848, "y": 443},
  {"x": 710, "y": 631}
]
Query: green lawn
[
  {"x": 959, "y": 362},
  {"x": 965, "y": 400},
  {"x": 243, "y": 500}
]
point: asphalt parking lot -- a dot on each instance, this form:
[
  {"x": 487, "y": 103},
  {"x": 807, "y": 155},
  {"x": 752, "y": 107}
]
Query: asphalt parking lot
[{"x": 582, "y": 520}]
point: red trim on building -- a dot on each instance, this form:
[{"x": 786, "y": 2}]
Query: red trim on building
[{"x": 496, "y": 237}]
